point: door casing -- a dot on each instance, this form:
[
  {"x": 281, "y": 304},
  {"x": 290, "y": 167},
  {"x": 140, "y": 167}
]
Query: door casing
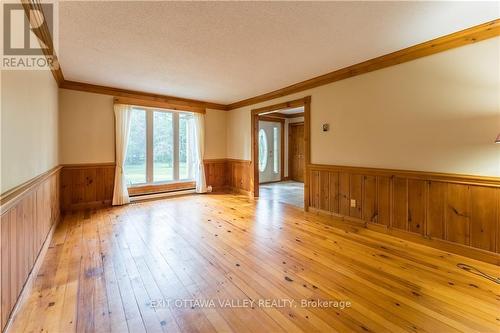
[{"x": 306, "y": 103}]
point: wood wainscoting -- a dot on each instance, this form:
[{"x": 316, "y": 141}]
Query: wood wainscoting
[
  {"x": 229, "y": 174},
  {"x": 216, "y": 174},
  {"x": 457, "y": 213},
  {"x": 91, "y": 185},
  {"x": 29, "y": 214},
  {"x": 87, "y": 185},
  {"x": 239, "y": 176}
]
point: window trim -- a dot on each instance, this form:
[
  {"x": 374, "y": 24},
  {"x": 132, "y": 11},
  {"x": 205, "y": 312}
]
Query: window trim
[{"x": 150, "y": 186}]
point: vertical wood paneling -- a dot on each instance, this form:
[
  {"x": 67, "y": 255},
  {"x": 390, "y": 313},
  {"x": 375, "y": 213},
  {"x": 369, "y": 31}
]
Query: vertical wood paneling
[
  {"x": 77, "y": 185},
  {"x": 370, "y": 205},
  {"x": 334, "y": 192},
  {"x": 32, "y": 230},
  {"x": 484, "y": 206},
  {"x": 458, "y": 214},
  {"x": 384, "y": 200},
  {"x": 5, "y": 273},
  {"x": 24, "y": 227},
  {"x": 240, "y": 175},
  {"x": 21, "y": 255},
  {"x": 27, "y": 233},
  {"x": 437, "y": 209},
  {"x": 356, "y": 191},
  {"x": 324, "y": 190},
  {"x": 89, "y": 192},
  {"x": 14, "y": 278},
  {"x": 2, "y": 217},
  {"x": 86, "y": 186},
  {"x": 400, "y": 204},
  {"x": 498, "y": 221},
  {"x": 216, "y": 173},
  {"x": 314, "y": 189},
  {"x": 40, "y": 217},
  {"x": 66, "y": 188},
  {"x": 442, "y": 209},
  {"x": 344, "y": 193},
  {"x": 416, "y": 206}
]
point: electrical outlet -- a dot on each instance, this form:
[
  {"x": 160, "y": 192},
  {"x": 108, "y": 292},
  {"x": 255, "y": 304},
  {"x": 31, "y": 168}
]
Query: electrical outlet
[{"x": 353, "y": 203}]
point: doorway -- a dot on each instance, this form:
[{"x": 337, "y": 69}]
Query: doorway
[{"x": 280, "y": 152}]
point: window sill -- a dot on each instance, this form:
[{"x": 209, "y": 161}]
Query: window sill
[{"x": 160, "y": 188}]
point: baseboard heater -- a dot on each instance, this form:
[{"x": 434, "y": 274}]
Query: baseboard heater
[{"x": 161, "y": 195}]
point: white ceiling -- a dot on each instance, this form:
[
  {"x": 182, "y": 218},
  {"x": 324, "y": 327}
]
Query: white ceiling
[
  {"x": 227, "y": 51},
  {"x": 293, "y": 111}
]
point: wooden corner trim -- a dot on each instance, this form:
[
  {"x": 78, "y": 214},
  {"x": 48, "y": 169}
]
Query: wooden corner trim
[
  {"x": 43, "y": 34},
  {"x": 460, "y": 38}
]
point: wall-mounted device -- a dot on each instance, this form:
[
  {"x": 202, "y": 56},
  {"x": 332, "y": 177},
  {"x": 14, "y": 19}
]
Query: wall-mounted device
[{"x": 326, "y": 127}]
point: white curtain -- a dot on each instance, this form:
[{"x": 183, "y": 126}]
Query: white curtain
[
  {"x": 122, "y": 130},
  {"x": 199, "y": 153}
]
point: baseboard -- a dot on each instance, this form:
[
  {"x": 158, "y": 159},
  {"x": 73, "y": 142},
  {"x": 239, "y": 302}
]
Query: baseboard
[
  {"x": 88, "y": 205},
  {"x": 240, "y": 191},
  {"x": 443, "y": 245},
  {"x": 32, "y": 275},
  {"x": 221, "y": 189}
]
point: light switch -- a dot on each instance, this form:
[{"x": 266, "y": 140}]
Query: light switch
[{"x": 353, "y": 203}]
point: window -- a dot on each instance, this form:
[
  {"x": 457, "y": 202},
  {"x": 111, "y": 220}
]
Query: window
[
  {"x": 163, "y": 147},
  {"x": 160, "y": 147},
  {"x": 135, "y": 163},
  {"x": 262, "y": 150}
]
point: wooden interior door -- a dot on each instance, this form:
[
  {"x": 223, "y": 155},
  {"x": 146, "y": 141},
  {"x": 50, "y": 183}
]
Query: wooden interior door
[{"x": 296, "y": 152}]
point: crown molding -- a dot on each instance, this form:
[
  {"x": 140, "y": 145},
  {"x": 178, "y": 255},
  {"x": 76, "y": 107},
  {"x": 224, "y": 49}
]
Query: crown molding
[{"x": 178, "y": 102}]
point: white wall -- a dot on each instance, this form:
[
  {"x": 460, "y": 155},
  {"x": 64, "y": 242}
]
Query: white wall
[
  {"x": 215, "y": 134},
  {"x": 87, "y": 127},
  {"x": 88, "y": 133},
  {"x": 29, "y": 129},
  {"x": 439, "y": 113}
]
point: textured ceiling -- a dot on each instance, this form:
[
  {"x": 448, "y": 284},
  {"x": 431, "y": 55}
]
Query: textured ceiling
[
  {"x": 227, "y": 51},
  {"x": 293, "y": 111}
]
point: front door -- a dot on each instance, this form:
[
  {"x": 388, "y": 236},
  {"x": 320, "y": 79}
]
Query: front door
[
  {"x": 296, "y": 152},
  {"x": 269, "y": 151}
]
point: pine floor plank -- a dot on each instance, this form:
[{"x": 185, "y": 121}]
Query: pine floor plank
[{"x": 121, "y": 269}]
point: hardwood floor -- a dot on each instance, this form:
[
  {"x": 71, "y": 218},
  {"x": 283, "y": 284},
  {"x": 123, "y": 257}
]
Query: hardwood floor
[
  {"x": 290, "y": 192},
  {"x": 128, "y": 269}
]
